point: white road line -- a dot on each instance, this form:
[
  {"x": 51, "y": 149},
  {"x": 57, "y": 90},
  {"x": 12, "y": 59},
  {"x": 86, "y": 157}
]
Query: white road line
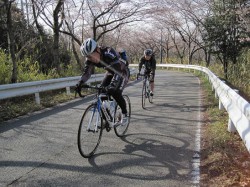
[{"x": 196, "y": 157}]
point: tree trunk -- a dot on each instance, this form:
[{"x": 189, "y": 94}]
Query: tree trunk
[
  {"x": 207, "y": 56},
  {"x": 11, "y": 44},
  {"x": 38, "y": 26},
  {"x": 189, "y": 52},
  {"x": 94, "y": 30},
  {"x": 181, "y": 57},
  {"x": 225, "y": 66},
  {"x": 56, "y": 60},
  {"x": 76, "y": 55},
  {"x": 56, "y": 28}
]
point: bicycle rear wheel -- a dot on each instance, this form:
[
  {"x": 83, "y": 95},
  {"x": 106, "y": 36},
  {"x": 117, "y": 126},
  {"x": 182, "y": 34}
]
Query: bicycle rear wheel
[
  {"x": 90, "y": 131},
  {"x": 120, "y": 130}
]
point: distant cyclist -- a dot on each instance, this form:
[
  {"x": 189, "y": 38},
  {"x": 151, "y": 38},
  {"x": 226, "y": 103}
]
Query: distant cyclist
[
  {"x": 117, "y": 73},
  {"x": 124, "y": 57},
  {"x": 149, "y": 62}
]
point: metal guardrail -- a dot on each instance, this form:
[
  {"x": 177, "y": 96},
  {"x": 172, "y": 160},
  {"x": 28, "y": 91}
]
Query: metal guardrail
[
  {"x": 35, "y": 87},
  {"x": 237, "y": 107}
]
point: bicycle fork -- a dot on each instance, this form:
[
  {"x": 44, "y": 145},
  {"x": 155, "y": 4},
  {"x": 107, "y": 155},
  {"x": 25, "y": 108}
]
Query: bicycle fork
[{"x": 91, "y": 120}]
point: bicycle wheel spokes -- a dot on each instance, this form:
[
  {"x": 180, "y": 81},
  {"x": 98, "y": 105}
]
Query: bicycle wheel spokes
[
  {"x": 89, "y": 132},
  {"x": 120, "y": 130}
]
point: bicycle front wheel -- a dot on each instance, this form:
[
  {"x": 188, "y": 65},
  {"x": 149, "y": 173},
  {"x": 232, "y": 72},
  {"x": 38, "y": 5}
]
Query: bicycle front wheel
[
  {"x": 150, "y": 97},
  {"x": 144, "y": 94},
  {"x": 90, "y": 131},
  {"x": 120, "y": 130}
]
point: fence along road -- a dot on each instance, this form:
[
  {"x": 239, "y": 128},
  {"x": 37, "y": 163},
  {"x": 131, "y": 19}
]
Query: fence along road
[{"x": 160, "y": 148}]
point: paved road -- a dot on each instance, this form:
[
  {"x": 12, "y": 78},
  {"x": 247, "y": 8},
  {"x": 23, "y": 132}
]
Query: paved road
[{"x": 159, "y": 149}]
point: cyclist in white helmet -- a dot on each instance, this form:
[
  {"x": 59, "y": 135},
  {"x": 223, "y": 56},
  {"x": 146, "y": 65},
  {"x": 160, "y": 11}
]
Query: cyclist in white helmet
[
  {"x": 117, "y": 73},
  {"x": 149, "y": 63}
]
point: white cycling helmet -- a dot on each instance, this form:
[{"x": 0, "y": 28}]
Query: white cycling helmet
[{"x": 88, "y": 47}]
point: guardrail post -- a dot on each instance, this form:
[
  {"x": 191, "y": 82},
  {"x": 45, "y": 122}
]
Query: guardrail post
[
  {"x": 37, "y": 97},
  {"x": 231, "y": 127},
  {"x": 221, "y": 105},
  {"x": 67, "y": 90},
  {"x": 215, "y": 94},
  {"x": 237, "y": 91}
]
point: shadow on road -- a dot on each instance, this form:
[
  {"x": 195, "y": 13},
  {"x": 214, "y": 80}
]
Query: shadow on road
[{"x": 5, "y": 126}]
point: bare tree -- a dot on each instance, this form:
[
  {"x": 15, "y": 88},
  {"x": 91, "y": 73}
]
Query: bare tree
[
  {"x": 168, "y": 44},
  {"x": 98, "y": 17},
  {"x": 196, "y": 12},
  {"x": 58, "y": 16},
  {"x": 70, "y": 21},
  {"x": 11, "y": 41},
  {"x": 179, "y": 46},
  {"x": 41, "y": 9},
  {"x": 185, "y": 17},
  {"x": 107, "y": 18}
]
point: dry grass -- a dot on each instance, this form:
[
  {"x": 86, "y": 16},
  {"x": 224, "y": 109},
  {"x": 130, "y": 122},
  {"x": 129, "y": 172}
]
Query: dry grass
[{"x": 225, "y": 161}]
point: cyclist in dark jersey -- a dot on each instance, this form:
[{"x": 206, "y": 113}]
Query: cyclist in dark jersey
[
  {"x": 149, "y": 63},
  {"x": 117, "y": 73},
  {"x": 124, "y": 56}
]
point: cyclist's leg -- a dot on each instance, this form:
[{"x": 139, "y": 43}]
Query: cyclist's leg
[
  {"x": 151, "y": 80},
  {"x": 120, "y": 101},
  {"x": 117, "y": 95},
  {"x": 121, "y": 128},
  {"x": 107, "y": 79}
]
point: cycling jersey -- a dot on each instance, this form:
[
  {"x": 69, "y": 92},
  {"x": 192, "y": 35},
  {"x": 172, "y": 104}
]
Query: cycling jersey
[
  {"x": 109, "y": 61},
  {"x": 149, "y": 64},
  {"x": 116, "y": 76}
]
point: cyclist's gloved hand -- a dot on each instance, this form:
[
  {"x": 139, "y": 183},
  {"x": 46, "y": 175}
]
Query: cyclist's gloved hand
[
  {"x": 78, "y": 86},
  {"x": 104, "y": 90}
]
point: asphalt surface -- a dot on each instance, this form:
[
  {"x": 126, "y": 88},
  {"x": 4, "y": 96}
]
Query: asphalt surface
[{"x": 159, "y": 148}]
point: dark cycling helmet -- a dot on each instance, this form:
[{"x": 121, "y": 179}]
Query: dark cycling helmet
[
  {"x": 88, "y": 47},
  {"x": 148, "y": 52}
]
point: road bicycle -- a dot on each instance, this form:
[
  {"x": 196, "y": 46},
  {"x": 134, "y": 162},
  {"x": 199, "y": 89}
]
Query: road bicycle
[
  {"x": 103, "y": 113},
  {"x": 145, "y": 89}
]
